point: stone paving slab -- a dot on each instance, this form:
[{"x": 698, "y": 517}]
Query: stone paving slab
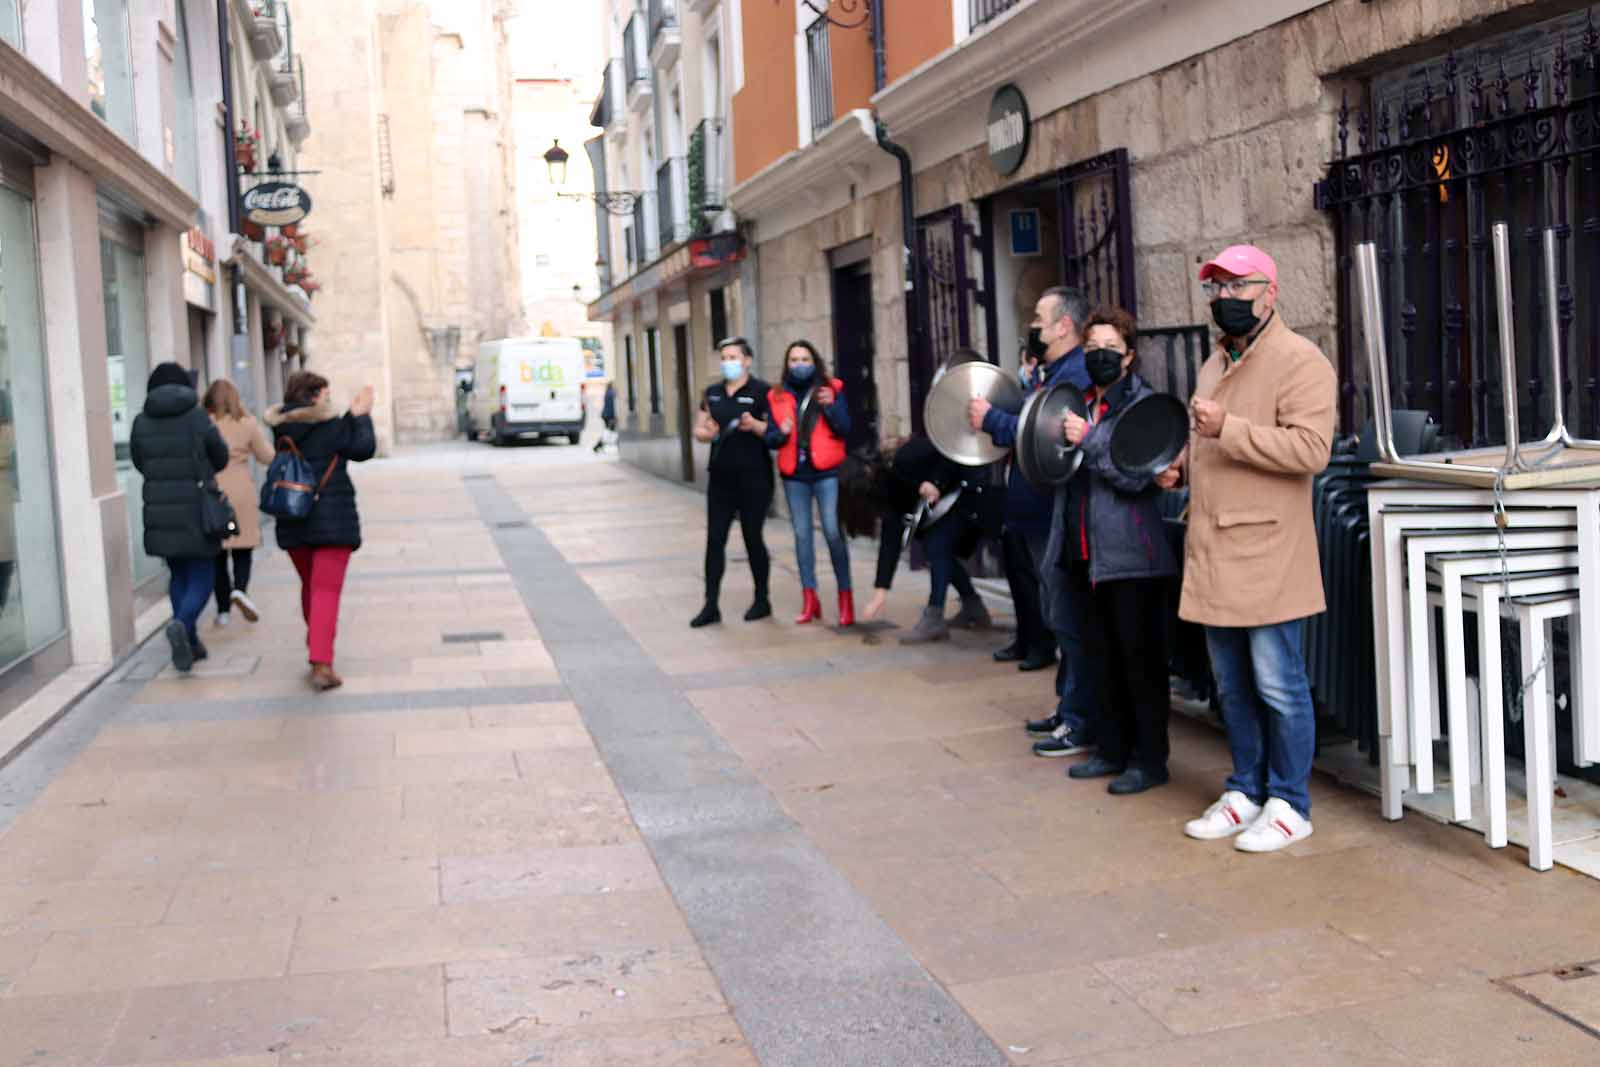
[{"x": 603, "y": 839}]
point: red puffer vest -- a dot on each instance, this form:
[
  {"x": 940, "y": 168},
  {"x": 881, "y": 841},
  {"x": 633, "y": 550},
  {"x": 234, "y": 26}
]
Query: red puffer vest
[{"x": 827, "y": 450}]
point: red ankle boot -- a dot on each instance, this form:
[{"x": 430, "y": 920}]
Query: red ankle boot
[
  {"x": 811, "y": 607},
  {"x": 847, "y": 608}
]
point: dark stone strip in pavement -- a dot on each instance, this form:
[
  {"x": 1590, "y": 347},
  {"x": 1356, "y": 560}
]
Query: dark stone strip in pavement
[
  {"x": 321, "y": 703},
  {"x": 812, "y": 973}
]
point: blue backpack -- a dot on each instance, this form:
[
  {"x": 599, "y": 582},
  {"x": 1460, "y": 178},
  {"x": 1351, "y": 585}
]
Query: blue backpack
[{"x": 289, "y": 491}]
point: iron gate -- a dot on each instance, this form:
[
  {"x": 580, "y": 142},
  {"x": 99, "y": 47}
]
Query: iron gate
[
  {"x": 1508, "y": 131},
  {"x": 1096, "y": 219}
]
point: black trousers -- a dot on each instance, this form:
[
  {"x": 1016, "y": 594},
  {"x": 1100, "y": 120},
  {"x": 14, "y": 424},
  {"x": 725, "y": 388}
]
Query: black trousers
[
  {"x": 240, "y": 579},
  {"x": 745, "y": 495},
  {"x": 1126, "y": 635},
  {"x": 1023, "y": 577}
]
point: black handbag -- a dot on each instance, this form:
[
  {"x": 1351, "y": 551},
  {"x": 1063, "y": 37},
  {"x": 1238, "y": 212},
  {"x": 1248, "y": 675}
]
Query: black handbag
[{"x": 218, "y": 520}]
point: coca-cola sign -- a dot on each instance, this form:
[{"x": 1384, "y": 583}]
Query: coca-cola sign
[{"x": 276, "y": 204}]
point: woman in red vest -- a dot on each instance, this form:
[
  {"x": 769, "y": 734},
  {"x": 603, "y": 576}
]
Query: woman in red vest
[{"x": 814, "y": 421}]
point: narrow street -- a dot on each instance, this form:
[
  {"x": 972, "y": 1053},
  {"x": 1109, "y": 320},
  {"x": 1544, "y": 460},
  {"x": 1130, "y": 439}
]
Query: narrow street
[{"x": 544, "y": 822}]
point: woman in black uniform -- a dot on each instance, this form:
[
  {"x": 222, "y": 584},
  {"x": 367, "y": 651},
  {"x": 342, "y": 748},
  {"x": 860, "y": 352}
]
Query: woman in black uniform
[
  {"x": 881, "y": 495},
  {"x": 734, "y": 419}
]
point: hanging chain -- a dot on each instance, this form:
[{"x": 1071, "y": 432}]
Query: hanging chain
[{"x": 1501, "y": 521}]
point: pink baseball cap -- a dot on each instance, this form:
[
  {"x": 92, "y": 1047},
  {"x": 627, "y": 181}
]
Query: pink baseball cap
[{"x": 1239, "y": 261}]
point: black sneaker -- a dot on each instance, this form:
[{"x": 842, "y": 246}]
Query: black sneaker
[
  {"x": 199, "y": 651},
  {"x": 1063, "y": 743},
  {"x": 1044, "y": 727},
  {"x": 759, "y": 610},
  {"x": 1010, "y": 654},
  {"x": 182, "y": 653},
  {"x": 708, "y": 615},
  {"x": 1094, "y": 767}
]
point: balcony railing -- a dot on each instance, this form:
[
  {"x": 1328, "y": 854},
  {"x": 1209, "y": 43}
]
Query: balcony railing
[
  {"x": 707, "y": 175},
  {"x": 663, "y": 16},
  {"x": 672, "y": 201},
  {"x": 981, "y": 12},
  {"x": 819, "y": 65},
  {"x": 633, "y": 50}
]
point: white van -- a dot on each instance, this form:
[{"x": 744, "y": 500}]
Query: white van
[{"x": 528, "y": 385}]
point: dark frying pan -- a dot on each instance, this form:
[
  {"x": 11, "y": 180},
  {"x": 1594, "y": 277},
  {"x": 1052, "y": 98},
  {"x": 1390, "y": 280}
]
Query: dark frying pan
[{"x": 1150, "y": 435}]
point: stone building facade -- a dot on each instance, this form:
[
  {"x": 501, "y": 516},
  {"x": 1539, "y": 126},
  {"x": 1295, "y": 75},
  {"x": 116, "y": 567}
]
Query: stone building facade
[
  {"x": 416, "y": 162},
  {"x": 1219, "y": 120}
]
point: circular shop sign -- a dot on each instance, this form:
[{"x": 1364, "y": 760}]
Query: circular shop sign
[
  {"x": 1008, "y": 129},
  {"x": 276, "y": 204}
]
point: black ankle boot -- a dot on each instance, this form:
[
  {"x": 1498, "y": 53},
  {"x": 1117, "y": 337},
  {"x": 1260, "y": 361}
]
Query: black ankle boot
[
  {"x": 708, "y": 615},
  {"x": 760, "y": 609}
]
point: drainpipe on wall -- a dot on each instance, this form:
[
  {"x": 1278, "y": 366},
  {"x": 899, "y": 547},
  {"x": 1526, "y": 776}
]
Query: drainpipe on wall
[
  {"x": 916, "y": 353},
  {"x": 921, "y": 372},
  {"x": 230, "y": 183}
]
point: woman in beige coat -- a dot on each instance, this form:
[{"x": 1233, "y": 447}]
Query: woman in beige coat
[{"x": 245, "y": 438}]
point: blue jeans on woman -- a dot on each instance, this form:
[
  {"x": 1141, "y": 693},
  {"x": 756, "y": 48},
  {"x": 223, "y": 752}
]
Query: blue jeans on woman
[
  {"x": 1266, "y": 706},
  {"x": 825, "y": 491},
  {"x": 189, "y": 588}
]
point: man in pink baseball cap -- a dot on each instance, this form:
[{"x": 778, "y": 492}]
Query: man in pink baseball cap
[{"x": 1263, "y": 419}]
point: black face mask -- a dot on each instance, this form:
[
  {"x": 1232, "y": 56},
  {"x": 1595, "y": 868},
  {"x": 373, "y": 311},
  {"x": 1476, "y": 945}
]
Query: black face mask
[
  {"x": 1236, "y": 318},
  {"x": 1104, "y": 365},
  {"x": 1036, "y": 345}
]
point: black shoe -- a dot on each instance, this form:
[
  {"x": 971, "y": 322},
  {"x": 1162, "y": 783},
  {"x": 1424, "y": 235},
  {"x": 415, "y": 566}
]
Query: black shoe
[
  {"x": 1135, "y": 780},
  {"x": 708, "y": 615},
  {"x": 1094, "y": 767},
  {"x": 759, "y": 610},
  {"x": 1010, "y": 654},
  {"x": 1037, "y": 660},
  {"x": 1044, "y": 727},
  {"x": 199, "y": 651},
  {"x": 182, "y": 652},
  {"x": 1062, "y": 744}
]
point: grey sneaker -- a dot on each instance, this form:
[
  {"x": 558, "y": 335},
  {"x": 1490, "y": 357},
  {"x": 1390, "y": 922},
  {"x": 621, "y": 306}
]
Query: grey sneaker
[
  {"x": 931, "y": 627},
  {"x": 973, "y": 614}
]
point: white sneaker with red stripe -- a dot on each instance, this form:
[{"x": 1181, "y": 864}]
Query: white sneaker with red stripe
[
  {"x": 1278, "y": 826},
  {"x": 1229, "y": 815}
]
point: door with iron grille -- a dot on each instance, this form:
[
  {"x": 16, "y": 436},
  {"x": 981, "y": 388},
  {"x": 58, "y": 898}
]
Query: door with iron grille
[
  {"x": 1505, "y": 130},
  {"x": 949, "y": 293},
  {"x": 1096, "y": 220}
]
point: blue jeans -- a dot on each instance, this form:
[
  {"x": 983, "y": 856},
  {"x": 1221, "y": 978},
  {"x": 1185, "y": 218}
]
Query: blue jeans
[
  {"x": 944, "y": 570},
  {"x": 1266, "y": 706},
  {"x": 189, "y": 588},
  {"x": 825, "y": 491},
  {"x": 1077, "y": 677}
]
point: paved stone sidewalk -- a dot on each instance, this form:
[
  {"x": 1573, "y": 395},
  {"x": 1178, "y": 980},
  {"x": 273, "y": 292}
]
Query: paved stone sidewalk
[{"x": 545, "y": 823}]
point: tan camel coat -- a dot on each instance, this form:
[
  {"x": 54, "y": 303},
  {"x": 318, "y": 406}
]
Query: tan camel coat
[
  {"x": 245, "y": 438},
  {"x": 1250, "y": 554}
]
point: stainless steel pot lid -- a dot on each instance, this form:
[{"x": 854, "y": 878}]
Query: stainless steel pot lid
[
  {"x": 944, "y": 413},
  {"x": 1043, "y": 455}
]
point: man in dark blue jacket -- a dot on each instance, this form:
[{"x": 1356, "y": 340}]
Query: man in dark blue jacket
[{"x": 1056, "y": 333}]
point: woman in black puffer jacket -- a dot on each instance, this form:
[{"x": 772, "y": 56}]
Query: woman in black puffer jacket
[
  {"x": 178, "y": 450},
  {"x": 321, "y": 544}
]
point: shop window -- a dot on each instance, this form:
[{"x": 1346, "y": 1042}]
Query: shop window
[
  {"x": 652, "y": 338},
  {"x": 127, "y": 368},
  {"x": 11, "y": 22},
  {"x": 31, "y": 610},
  {"x": 185, "y": 146},
  {"x": 106, "y": 43}
]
